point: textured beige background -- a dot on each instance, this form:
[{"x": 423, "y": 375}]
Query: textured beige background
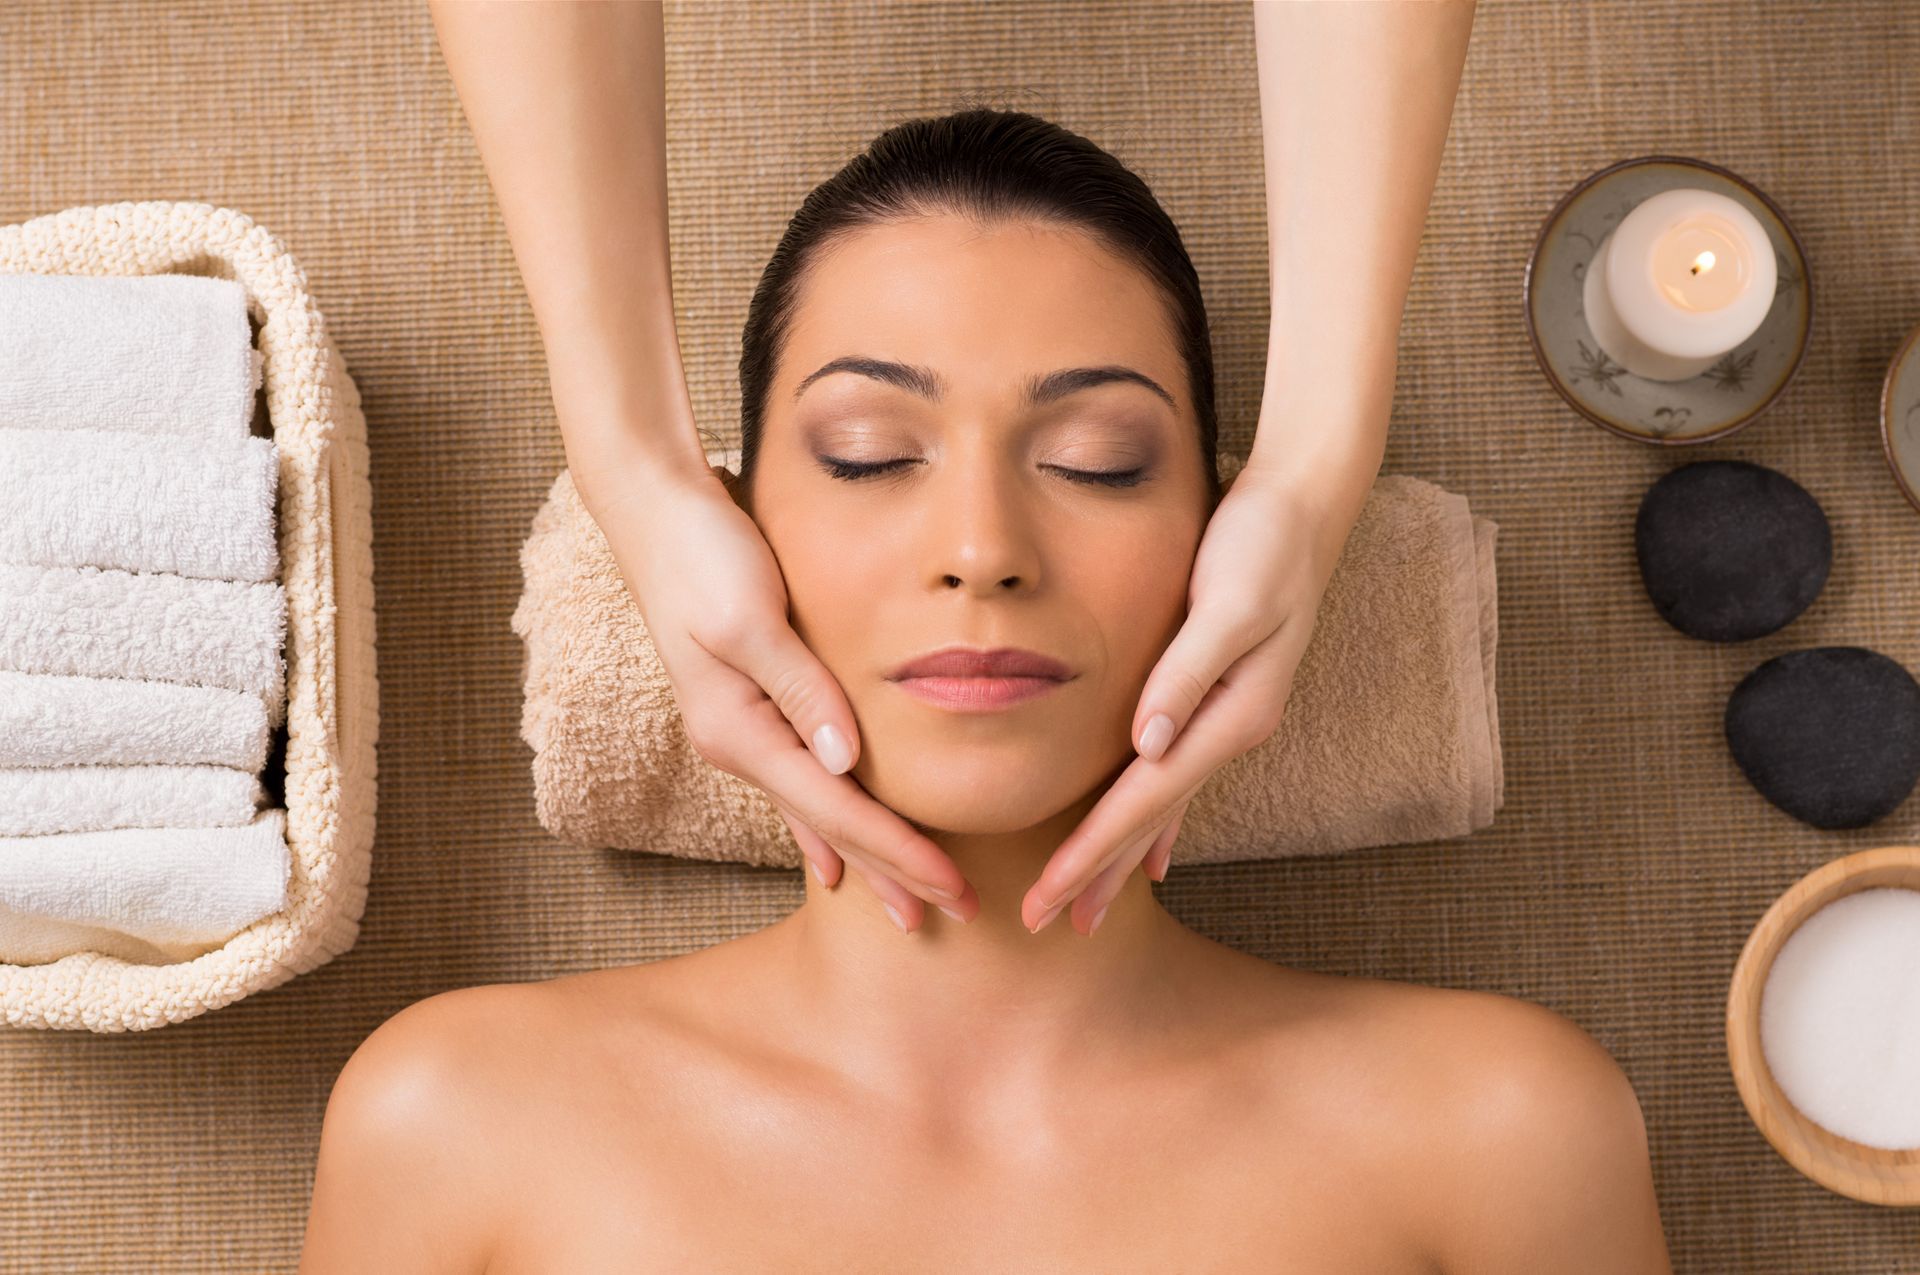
[{"x": 1617, "y": 885}]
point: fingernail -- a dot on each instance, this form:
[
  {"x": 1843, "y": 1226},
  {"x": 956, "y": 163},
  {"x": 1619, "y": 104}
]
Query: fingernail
[
  {"x": 897, "y": 918},
  {"x": 950, "y": 912},
  {"x": 1155, "y": 738},
  {"x": 943, "y": 893},
  {"x": 818, "y": 875},
  {"x": 1049, "y": 915},
  {"x": 832, "y": 749},
  {"x": 1098, "y": 917}
]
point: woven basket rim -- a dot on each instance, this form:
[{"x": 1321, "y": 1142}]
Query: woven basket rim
[{"x": 320, "y": 432}]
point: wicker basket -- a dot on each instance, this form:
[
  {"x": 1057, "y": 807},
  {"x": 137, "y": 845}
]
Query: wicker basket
[{"x": 326, "y": 562}]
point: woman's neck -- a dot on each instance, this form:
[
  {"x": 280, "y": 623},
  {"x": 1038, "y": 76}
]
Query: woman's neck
[{"x": 957, "y": 1013}]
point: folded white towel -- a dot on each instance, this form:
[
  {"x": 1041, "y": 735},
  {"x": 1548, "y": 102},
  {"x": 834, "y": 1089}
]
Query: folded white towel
[
  {"x": 48, "y": 719},
  {"x": 104, "y": 622},
  {"x": 141, "y": 502},
  {"x": 43, "y": 799},
  {"x": 162, "y": 354},
  {"x": 154, "y": 895}
]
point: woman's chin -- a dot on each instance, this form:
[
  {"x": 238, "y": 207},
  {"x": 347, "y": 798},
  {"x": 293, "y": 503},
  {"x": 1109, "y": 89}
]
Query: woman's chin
[{"x": 956, "y": 794}]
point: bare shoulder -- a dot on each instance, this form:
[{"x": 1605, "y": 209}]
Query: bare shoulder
[
  {"x": 1501, "y": 1055},
  {"x": 1539, "y": 1129},
  {"x": 445, "y": 1055},
  {"x": 409, "y": 1145}
]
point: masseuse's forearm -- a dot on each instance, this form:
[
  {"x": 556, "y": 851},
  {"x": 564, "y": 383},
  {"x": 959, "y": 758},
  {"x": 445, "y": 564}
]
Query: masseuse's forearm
[
  {"x": 567, "y": 103},
  {"x": 1355, "y": 99}
]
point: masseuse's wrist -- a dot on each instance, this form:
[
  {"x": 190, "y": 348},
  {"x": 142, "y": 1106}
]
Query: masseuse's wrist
[
  {"x": 1324, "y": 435},
  {"x": 638, "y": 466},
  {"x": 1327, "y": 486},
  {"x": 627, "y": 421}
]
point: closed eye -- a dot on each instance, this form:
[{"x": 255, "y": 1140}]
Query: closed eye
[
  {"x": 1103, "y": 477},
  {"x": 852, "y": 470}
]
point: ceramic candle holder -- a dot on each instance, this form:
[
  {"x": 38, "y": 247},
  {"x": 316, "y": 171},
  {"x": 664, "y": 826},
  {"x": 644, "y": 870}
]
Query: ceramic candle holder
[
  {"x": 1900, "y": 417},
  {"x": 1737, "y": 388},
  {"x": 1876, "y": 1175}
]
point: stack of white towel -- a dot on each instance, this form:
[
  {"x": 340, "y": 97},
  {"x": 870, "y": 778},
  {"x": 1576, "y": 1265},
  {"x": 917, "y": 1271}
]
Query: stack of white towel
[{"x": 141, "y": 620}]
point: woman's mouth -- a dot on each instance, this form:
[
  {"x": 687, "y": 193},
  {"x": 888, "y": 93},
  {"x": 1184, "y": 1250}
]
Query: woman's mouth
[
  {"x": 969, "y": 680},
  {"x": 977, "y": 694}
]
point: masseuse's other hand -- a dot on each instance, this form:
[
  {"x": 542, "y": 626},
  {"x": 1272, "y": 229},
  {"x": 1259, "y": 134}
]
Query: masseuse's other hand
[
  {"x": 749, "y": 689},
  {"x": 1218, "y": 690}
]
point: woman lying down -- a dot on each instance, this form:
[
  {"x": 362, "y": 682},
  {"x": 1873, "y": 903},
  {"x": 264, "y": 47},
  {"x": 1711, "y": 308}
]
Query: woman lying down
[{"x": 979, "y": 413}]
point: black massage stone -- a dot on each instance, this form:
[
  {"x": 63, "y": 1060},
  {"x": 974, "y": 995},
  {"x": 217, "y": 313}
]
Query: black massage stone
[
  {"x": 1731, "y": 550},
  {"x": 1830, "y": 734}
]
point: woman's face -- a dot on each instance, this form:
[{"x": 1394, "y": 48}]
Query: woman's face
[{"x": 938, "y": 469}]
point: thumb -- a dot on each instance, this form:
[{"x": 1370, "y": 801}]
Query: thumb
[
  {"x": 1200, "y": 652},
  {"x": 807, "y": 695}
]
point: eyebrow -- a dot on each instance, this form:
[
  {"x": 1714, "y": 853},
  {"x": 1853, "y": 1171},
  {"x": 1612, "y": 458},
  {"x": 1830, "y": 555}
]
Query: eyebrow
[{"x": 927, "y": 383}]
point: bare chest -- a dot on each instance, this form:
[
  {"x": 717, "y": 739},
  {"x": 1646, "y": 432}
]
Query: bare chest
[{"x": 782, "y": 1184}]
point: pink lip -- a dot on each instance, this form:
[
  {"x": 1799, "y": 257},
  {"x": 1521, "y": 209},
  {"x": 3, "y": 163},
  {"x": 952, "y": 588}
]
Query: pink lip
[
  {"x": 977, "y": 694},
  {"x": 971, "y": 680},
  {"x": 971, "y": 661}
]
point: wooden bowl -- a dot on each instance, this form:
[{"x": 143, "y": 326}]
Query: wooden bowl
[
  {"x": 1873, "y": 1174},
  {"x": 1900, "y": 417}
]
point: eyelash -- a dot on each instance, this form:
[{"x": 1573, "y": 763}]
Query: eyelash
[{"x": 854, "y": 469}]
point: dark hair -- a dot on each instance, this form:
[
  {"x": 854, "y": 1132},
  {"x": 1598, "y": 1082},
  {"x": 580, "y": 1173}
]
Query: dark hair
[{"x": 990, "y": 165}]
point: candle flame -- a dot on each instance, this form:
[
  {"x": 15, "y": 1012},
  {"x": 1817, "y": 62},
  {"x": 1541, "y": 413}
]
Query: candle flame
[{"x": 1702, "y": 263}]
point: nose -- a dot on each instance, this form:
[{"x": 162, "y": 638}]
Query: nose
[{"x": 981, "y": 535}]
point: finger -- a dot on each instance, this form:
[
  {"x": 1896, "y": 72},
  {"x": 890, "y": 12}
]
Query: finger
[
  {"x": 1206, "y": 645},
  {"x": 906, "y": 911},
  {"x": 1162, "y": 851},
  {"x": 1090, "y": 904},
  {"x": 963, "y": 909},
  {"x": 1160, "y": 858},
  {"x": 847, "y": 818},
  {"x": 1089, "y": 909},
  {"x": 800, "y": 686},
  {"x": 1124, "y": 859},
  {"x": 1078, "y": 861},
  {"x": 827, "y": 865},
  {"x": 1147, "y": 792}
]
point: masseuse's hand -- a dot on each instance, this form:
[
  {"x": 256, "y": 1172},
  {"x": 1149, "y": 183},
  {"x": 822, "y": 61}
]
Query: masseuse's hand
[
  {"x": 1218, "y": 690},
  {"x": 750, "y": 691}
]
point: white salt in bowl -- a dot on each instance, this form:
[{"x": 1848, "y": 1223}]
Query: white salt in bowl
[{"x": 1877, "y": 1175}]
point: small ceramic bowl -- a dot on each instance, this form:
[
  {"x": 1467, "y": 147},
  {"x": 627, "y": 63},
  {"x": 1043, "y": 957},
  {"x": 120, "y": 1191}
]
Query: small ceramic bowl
[
  {"x": 1873, "y": 1174},
  {"x": 1900, "y": 417},
  {"x": 1728, "y": 395}
]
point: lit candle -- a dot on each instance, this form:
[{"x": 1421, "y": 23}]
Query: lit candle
[{"x": 1685, "y": 277}]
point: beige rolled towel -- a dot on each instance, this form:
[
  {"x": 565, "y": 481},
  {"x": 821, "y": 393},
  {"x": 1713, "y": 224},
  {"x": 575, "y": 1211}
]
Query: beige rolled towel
[{"x": 1391, "y": 733}]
